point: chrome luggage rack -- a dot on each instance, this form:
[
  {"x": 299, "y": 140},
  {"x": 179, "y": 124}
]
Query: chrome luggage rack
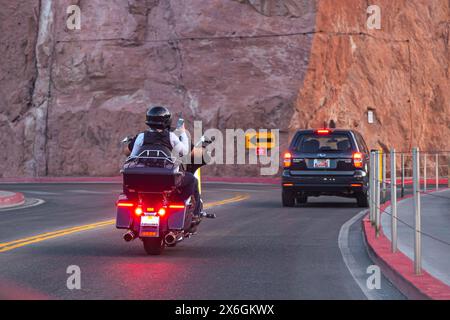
[{"x": 154, "y": 157}]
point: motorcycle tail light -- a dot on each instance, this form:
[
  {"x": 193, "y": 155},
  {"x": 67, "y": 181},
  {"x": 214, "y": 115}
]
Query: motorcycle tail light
[
  {"x": 138, "y": 211},
  {"x": 125, "y": 204},
  {"x": 358, "y": 160},
  {"x": 176, "y": 206},
  {"x": 161, "y": 212},
  {"x": 287, "y": 160}
]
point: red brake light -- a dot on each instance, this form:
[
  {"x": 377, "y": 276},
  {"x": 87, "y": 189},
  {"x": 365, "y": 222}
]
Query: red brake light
[
  {"x": 287, "y": 160},
  {"x": 323, "y": 131},
  {"x": 358, "y": 160},
  {"x": 125, "y": 204},
  {"x": 138, "y": 211},
  {"x": 161, "y": 212}
]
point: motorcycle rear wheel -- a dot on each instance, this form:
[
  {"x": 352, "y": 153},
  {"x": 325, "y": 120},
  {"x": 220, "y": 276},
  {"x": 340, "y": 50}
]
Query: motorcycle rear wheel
[{"x": 154, "y": 246}]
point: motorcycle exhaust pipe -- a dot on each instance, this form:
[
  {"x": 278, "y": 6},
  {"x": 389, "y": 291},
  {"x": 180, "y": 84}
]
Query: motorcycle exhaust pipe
[
  {"x": 170, "y": 238},
  {"x": 129, "y": 236}
]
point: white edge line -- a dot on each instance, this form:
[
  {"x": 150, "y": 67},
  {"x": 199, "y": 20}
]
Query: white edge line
[{"x": 347, "y": 256}]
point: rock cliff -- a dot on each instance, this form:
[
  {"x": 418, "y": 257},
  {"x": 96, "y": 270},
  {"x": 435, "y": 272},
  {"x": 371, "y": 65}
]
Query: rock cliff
[{"x": 67, "y": 97}]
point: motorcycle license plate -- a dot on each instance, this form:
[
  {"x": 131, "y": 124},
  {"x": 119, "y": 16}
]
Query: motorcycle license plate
[
  {"x": 149, "y": 227},
  {"x": 149, "y": 221},
  {"x": 321, "y": 163}
]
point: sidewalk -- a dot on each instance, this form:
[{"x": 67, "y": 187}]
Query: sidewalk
[{"x": 435, "y": 216}]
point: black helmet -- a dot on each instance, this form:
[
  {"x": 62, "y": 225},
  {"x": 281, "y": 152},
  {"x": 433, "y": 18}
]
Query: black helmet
[{"x": 158, "y": 118}]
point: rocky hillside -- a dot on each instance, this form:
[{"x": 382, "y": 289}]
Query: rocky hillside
[
  {"x": 401, "y": 72},
  {"x": 68, "y": 96}
]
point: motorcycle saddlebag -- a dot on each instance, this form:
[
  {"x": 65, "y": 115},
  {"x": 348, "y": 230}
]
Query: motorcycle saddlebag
[{"x": 124, "y": 215}]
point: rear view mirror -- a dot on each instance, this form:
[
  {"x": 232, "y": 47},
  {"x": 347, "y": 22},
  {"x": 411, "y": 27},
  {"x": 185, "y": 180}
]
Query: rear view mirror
[{"x": 126, "y": 140}]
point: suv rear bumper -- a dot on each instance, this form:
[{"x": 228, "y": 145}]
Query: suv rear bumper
[{"x": 325, "y": 182}]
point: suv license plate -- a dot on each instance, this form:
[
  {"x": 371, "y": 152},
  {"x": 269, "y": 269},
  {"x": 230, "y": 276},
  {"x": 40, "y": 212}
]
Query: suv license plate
[{"x": 321, "y": 163}]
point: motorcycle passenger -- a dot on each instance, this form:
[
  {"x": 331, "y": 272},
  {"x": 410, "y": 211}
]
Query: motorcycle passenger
[{"x": 159, "y": 120}]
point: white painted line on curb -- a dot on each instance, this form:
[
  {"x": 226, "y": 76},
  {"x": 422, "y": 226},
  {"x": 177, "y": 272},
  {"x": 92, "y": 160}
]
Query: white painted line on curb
[{"x": 29, "y": 202}]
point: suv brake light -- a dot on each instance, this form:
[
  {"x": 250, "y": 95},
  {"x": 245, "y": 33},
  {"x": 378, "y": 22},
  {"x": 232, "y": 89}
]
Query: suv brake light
[
  {"x": 323, "y": 131},
  {"x": 357, "y": 160},
  {"x": 287, "y": 160}
]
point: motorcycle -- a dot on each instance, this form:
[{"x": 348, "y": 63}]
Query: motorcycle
[{"x": 151, "y": 206}]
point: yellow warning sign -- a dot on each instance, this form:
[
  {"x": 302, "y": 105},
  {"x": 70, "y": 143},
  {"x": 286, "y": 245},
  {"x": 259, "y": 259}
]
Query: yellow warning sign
[{"x": 258, "y": 140}]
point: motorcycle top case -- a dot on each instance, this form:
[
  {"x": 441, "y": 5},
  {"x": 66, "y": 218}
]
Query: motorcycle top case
[{"x": 143, "y": 178}]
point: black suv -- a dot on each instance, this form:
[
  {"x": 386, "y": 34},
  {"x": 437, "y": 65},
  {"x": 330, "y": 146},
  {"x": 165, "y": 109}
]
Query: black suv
[{"x": 325, "y": 162}]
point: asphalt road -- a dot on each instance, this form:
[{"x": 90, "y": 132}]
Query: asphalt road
[{"x": 255, "y": 249}]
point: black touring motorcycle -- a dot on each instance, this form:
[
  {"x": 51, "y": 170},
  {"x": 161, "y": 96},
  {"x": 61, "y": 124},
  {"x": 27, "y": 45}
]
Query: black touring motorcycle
[{"x": 151, "y": 206}]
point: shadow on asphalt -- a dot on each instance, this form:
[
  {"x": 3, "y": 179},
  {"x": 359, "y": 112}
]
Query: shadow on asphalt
[
  {"x": 183, "y": 250},
  {"x": 315, "y": 204},
  {"x": 328, "y": 205}
]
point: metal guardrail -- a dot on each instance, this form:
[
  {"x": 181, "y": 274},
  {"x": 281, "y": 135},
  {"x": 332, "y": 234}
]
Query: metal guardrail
[{"x": 378, "y": 190}]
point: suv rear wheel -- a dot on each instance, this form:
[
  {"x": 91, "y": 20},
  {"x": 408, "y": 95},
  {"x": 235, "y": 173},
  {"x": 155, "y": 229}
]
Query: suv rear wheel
[
  {"x": 288, "y": 198},
  {"x": 302, "y": 198},
  {"x": 361, "y": 199}
]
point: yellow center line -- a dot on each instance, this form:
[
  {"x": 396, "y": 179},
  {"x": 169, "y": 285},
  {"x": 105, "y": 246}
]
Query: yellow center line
[{"x": 7, "y": 246}]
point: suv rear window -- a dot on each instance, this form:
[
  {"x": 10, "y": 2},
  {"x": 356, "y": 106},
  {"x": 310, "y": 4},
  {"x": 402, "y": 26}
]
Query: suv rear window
[{"x": 313, "y": 143}]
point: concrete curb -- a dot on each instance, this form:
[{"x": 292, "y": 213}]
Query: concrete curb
[
  {"x": 11, "y": 199},
  {"x": 399, "y": 269},
  {"x": 430, "y": 181},
  {"x": 118, "y": 179}
]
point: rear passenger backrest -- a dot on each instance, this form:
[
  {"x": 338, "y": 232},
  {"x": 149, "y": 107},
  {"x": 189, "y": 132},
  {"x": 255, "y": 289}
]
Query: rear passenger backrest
[
  {"x": 310, "y": 146},
  {"x": 343, "y": 145}
]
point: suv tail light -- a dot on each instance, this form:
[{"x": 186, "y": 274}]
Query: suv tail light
[
  {"x": 287, "y": 160},
  {"x": 357, "y": 160}
]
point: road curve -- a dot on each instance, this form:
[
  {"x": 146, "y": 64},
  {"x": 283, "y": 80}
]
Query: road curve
[{"x": 255, "y": 249}]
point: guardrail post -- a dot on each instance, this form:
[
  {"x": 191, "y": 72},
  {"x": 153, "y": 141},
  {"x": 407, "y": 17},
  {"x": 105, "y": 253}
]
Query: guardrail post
[
  {"x": 393, "y": 202},
  {"x": 437, "y": 171},
  {"x": 371, "y": 187},
  {"x": 448, "y": 170},
  {"x": 377, "y": 194},
  {"x": 417, "y": 224},
  {"x": 384, "y": 176},
  {"x": 424, "y": 172},
  {"x": 403, "y": 174}
]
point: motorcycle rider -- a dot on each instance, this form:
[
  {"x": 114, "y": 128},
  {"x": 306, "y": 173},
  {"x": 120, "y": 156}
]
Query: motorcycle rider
[{"x": 159, "y": 119}]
